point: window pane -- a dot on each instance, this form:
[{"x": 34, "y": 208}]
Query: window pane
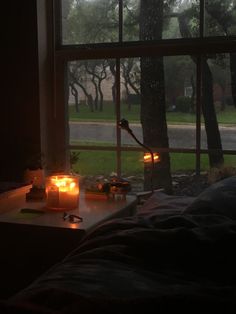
[
  {"x": 89, "y": 21},
  {"x": 130, "y": 98},
  {"x": 220, "y": 110},
  {"x": 94, "y": 163},
  {"x": 91, "y": 103},
  {"x": 182, "y": 162},
  {"x": 177, "y": 87},
  {"x": 97, "y": 21},
  {"x": 153, "y": 21},
  {"x": 220, "y": 18},
  {"x": 180, "y": 89}
]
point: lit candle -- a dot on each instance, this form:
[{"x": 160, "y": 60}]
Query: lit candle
[
  {"x": 62, "y": 192},
  {"x": 148, "y": 158}
]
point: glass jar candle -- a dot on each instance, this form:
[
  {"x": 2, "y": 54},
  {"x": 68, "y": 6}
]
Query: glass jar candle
[{"x": 62, "y": 192}]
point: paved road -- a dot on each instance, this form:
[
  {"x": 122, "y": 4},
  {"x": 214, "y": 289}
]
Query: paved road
[{"x": 179, "y": 135}]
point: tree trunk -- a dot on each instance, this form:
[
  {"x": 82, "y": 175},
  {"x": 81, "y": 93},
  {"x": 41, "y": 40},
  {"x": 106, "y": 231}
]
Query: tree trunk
[
  {"x": 112, "y": 66},
  {"x": 193, "y": 106},
  {"x": 222, "y": 103},
  {"x": 75, "y": 93},
  {"x": 88, "y": 96},
  {"x": 216, "y": 158},
  {"x": 95, "y": 101},
  {"x": 153, "y": 107},
  {"x": 101, "y": 95}
]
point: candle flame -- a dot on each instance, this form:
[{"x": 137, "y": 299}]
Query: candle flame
[
  {"x": 72, "y": 185},
  {"x": 64, "y": 183}
]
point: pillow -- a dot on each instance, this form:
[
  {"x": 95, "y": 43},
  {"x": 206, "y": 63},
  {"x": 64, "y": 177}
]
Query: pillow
[{"x": 219, "y": 198}]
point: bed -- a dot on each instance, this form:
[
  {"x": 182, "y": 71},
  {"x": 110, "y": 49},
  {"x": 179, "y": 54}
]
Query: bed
[{"x": 176, "y": 254}]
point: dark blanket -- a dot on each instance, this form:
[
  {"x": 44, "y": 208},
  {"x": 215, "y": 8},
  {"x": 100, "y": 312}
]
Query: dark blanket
[{"x": 169, "y": 257}]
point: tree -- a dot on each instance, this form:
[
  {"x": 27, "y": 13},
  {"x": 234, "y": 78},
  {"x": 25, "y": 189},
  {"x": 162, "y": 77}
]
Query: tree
[
  {"x": 77, "y": 76},
  {"x": 208, "y": 108},
  {"x": 83, "y": 72},
  {"x": 66, "y": 6},
  {"x": 222, "y": 14},
  {"x": 97, "y": 70},
  {"x": 179, "y": 72},
  {"x": 75, "y": 93},
  {"x": 90, "y": 22},
  {"x": 153, "y": 107},
  {"x": 130, "y": 71},
  {"x": 219, "y": 66},
  {"x": 148, "y": 21},
  {"x": 93, "y": 22},
  {"x": 214, "y": 144}
]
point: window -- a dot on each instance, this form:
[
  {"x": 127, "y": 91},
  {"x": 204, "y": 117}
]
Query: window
[{"x": 168, "y": 68}]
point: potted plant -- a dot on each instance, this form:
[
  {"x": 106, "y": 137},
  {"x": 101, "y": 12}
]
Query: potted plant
[{"x": 34, "y": 172}]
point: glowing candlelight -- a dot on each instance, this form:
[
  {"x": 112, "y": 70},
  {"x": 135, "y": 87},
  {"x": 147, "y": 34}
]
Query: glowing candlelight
[
  {"x": 147, "y": 158},
  {"x": 62, "y": 192}
]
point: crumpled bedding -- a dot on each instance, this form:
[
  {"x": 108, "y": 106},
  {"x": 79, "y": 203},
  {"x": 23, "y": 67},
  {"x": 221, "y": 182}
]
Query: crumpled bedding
[{"x": 168, "y": 257}]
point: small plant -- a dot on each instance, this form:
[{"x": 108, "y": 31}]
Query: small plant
[{"x": 74, "y": 157}]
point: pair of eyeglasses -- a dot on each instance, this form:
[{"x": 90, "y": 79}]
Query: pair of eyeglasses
[{"x": 72, "y": 218}]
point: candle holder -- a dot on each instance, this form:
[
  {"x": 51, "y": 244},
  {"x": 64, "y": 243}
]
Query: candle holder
[{"x": 62, "y": 192}]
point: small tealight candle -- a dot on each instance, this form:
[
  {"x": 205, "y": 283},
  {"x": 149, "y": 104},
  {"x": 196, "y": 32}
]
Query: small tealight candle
[{"x": 62, "y": 192}]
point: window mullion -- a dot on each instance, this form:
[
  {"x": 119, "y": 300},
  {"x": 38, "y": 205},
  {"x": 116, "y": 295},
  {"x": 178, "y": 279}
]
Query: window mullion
[
  {"x": 121, "y": 21},
  {"x": 57, "y": 24},
  {"x": 198, "y": 114},
  {"x": 202, "y": 18},
  {"x": 118, "y": 131}
]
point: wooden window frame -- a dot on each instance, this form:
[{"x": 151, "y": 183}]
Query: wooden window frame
[{"x": 56, "y": 136}]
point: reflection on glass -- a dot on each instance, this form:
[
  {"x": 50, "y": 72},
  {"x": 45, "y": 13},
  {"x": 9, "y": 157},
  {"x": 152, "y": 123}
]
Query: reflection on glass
[{"x": 91, "y": 101}]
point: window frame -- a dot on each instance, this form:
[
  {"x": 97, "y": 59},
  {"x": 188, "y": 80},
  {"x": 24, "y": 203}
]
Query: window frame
[{"x": 62, "y": 54}]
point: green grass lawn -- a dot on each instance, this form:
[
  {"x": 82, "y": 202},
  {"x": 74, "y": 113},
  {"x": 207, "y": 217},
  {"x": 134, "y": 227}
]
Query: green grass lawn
[
  {"x": 104, "y": 163},
  {"x": 228, "y": 116}
]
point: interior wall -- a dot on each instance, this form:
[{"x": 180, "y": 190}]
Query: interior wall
[{"x": 19, "y": 110}]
